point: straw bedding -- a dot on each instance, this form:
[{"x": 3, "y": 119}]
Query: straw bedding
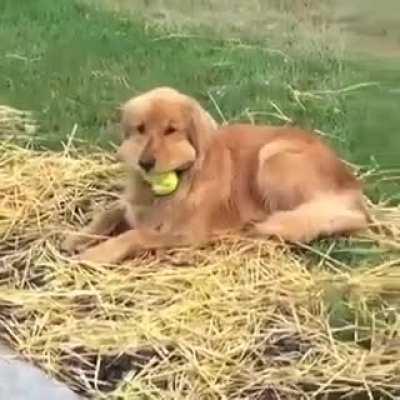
[
  {"x": 241, "y": 319},
  {"x": 16, "y": 124}
]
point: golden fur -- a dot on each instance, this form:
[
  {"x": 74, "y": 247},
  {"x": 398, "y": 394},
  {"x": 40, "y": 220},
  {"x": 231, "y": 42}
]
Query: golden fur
[{"x": 272, "y": 181}]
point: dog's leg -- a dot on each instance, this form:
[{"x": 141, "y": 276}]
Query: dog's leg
[
  {"x": 103, "y": 224},
  {"x": 312, "y": 220},
  {"x": 119, "y": 248}
]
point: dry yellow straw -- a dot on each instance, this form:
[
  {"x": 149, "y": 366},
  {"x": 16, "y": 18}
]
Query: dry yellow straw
[
  {"x": 242, "y": 319},
  {"x": 15, "y": 123}
]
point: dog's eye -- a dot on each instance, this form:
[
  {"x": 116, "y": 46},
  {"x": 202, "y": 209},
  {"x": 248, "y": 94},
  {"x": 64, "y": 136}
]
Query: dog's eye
[
  {"x": 141, "y": 128},
  {"x": 170, "y": 130}
]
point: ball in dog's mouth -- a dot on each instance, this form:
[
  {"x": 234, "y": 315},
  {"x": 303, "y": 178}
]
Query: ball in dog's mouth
[{"x": 162, "y": 184}]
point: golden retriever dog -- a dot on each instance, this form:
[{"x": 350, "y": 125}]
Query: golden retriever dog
[{"x": 271, "y": 181}]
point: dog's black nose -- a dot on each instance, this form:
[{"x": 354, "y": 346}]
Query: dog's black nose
[{"x": 147, "y": 165}]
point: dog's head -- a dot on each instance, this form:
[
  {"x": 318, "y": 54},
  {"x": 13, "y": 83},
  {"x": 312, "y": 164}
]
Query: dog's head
[{"x": 163, "y": 131}]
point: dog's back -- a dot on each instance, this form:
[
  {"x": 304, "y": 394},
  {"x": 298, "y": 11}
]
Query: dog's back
[{"x": 281, "y": 169}]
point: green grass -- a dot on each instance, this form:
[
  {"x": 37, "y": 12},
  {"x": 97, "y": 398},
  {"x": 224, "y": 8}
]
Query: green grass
[{"x": 74, "y": 64}]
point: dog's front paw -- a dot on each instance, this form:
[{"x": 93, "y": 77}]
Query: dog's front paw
[
  {"x": 103, "y": 253},
  {"x": 74, "y": 243}
]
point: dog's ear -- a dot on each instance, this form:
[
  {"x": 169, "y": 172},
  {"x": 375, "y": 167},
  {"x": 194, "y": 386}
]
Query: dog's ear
[{"x": 201, "y": 128}]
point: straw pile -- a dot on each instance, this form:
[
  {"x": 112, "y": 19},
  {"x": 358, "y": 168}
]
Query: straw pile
[
  {"x": 16, "y": 124},
  {"x": 239, "y": 320}
]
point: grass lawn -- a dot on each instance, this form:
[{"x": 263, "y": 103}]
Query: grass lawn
[
  {"x": 255, "y": 320},
  {"x": 74, "y": 65}
]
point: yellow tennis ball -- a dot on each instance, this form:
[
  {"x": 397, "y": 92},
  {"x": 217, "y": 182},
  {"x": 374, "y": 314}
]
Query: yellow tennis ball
[{"x": 164, "y": 183}]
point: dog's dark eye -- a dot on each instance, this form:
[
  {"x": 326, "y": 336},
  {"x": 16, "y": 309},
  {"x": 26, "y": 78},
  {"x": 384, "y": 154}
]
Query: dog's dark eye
[
  {"x": 141, "y": 128},
  {"x": 170, "y": 130}
]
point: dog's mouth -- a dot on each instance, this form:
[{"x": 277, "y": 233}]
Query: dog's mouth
[
  {"x": 183, "y": 168},
  {"x": 180, "y": 171},
  {"x": 164, "y": 183}
]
